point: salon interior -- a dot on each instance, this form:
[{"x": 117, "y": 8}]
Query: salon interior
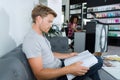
[{"x": 98, "y": 28}]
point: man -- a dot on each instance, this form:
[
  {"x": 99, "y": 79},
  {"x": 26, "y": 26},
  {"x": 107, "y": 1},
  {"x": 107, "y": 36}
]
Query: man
[{"x": 45, "y": 64}]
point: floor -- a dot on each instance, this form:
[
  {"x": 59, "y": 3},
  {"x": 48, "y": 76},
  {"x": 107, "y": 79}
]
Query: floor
[{"x": 112, "y": 50}]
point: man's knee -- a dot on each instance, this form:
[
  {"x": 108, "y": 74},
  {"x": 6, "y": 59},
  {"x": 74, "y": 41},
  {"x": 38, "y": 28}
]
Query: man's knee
[{"x": 100, "y": 62}]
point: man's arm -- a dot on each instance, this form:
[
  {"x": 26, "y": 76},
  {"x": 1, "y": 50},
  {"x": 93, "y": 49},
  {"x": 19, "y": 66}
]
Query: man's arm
[
  {"x": 64, "y": 55},
  {"x": 50, "y": 73}
]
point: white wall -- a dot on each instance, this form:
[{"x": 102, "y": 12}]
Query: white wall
[
  {"x": 15, "y": 21},
  {"x": 45, "y": 2},
  {"x": 66, "y": 3},
  {"x": 56, "y": 5}
]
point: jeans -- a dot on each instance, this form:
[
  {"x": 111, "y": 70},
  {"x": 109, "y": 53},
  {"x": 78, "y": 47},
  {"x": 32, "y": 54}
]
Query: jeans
[{"x": 92, "y": 73}]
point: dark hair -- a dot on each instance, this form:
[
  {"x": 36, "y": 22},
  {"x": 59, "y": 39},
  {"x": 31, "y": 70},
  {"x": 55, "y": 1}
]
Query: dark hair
[
  {"x": 72, "y": 18},
  {"x": 43, "y": 11}
]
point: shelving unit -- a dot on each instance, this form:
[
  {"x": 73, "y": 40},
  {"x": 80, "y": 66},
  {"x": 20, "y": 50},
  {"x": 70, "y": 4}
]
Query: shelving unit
[
  {"x": 78, "y": 8},
  {"x": 84, "y": 13},
  {"x": 108, "y": 14},
  {"x": 114, "y": 35}
]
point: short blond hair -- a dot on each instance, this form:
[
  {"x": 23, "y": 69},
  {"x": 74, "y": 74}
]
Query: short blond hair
[{"x": 43, "y": 11}]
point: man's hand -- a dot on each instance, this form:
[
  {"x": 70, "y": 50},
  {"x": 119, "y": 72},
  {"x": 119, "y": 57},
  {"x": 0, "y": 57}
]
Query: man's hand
[
  {"x": 77, "y": 69},
  {"x": 73, "y": 54}
]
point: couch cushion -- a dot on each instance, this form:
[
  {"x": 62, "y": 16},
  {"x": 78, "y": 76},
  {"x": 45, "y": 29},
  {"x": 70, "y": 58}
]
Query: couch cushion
[
  {"x": 12, "y": 69},
  {"x": 18, "y": 53}
]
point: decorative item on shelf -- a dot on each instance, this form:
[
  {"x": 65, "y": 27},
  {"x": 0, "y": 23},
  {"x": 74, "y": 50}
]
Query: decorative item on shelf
[
  {"x": 112, "y": 34},
  {"x": 54, "y": 31},
  {"x": 117, "y": 20}
]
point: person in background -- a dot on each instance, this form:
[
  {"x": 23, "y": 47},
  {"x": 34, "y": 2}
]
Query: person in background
[
  {"x": 72, "y": 27},
  {"x": 45, "y": 64}
]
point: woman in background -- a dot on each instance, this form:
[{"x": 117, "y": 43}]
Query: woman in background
[{"x": 72, "y": 27}]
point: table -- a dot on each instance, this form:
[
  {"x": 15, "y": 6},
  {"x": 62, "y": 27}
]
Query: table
[{"x": 113, "y": 72}]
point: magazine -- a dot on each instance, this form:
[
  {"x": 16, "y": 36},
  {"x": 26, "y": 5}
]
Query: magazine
[{"x": 86, "y": 57}]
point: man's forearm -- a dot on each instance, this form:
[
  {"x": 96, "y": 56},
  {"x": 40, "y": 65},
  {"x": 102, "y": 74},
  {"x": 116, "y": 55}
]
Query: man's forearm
[
  {"x": 52, "y": 73},
  {"x": 62, "y": 55}
]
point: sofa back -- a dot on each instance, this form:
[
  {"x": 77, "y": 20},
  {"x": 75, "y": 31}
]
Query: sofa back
[
  {"x": 59, "y": 44},
  {"x": 12, "y": 69},
  {"x": 16, "y": 59}
]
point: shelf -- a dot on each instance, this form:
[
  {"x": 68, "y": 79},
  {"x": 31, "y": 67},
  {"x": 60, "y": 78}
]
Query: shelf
[
  {"x": 109, "y": 21},
  {"x": 76, "y": 11},
  {"x": 104, "y": 11},
  {"x": 105, "y": 17},
  {"x": 114, "y": 36},
  {"x": 76, "y": 14},
  {"x": 104, "y": 8},
  {"x": 109, "y": 17},
  {"x": 115, "y": 41},
  {"x": 114, "y": 14},
  {"x": 114, "y": 33},
  {"x": 75, "y": 6},
  {"x": 113, "y": 30}
]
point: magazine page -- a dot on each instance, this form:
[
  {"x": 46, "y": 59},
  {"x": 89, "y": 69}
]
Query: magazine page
[{"x": 86, "y": 57}]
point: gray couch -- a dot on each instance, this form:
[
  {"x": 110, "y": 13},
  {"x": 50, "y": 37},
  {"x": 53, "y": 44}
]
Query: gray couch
[
  {"x": 14, "y": 65},
  {"x": 59, "y": 44}
]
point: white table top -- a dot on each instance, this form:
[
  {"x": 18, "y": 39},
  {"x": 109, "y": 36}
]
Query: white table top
[{"x": 114, "y": 70}]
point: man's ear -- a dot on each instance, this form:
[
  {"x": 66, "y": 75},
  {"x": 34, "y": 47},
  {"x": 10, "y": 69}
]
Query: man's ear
[{"x": 39, "y": 19}]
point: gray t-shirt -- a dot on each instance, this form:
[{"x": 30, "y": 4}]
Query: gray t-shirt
[{"x": 35, "y": 45}]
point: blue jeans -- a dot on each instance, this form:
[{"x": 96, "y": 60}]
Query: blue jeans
[{"x": 92, "y": 73}]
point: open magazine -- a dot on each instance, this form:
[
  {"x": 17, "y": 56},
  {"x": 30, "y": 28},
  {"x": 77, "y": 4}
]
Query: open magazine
[{"x": 86, "y": 57}]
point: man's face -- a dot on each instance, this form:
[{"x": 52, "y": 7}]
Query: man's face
[{"x": 46, "y": 23}]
